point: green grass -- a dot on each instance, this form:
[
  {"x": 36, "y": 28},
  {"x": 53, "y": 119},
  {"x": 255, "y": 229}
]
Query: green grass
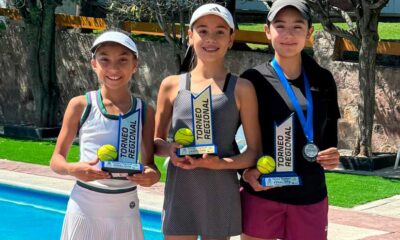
[
  {"x": 386, "y": 30},
  {"x": 345, "y": 190},
  {"x": 150, "y": 38},
  {"x": 30, "y": 151},
  {"x": 258, "y": 27},
  {"x": 39, "y": 152}
]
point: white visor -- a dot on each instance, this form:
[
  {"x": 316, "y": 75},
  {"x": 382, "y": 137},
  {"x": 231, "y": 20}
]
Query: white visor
[{"x": 116, "y": 37}]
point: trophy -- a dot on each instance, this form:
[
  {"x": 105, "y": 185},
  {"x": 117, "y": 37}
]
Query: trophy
[
  {"x": 127, "y": 161},
  {"x": 202, "y": 126},
  {"x": 284, "y": 142},
  {"x": 284, "y": 157}
]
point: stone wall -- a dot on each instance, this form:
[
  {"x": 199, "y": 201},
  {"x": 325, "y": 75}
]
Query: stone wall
[
  {"x": 155, "y": 63},
  {"x": 386, "y": 129},
  {"x": 16, "y": 101},
  {"x": 76, "y": 77}
]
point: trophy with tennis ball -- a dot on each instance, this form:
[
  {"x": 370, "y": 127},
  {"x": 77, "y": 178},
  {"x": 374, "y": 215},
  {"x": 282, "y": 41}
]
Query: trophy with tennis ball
[
  {"x": 127, "y": 161},
  {"x": 202, "y": 125},
  {"x": 283, "y": 163}
]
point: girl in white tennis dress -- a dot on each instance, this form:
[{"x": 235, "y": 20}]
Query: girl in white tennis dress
[{"x": 100, "y": 207}]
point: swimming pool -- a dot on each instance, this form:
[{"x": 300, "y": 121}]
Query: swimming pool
[{"x": 31, "y": 214}]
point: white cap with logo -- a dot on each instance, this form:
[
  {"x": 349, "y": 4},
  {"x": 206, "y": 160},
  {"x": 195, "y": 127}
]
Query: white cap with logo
[
  {"x": 116, "y": 37},
  {"x": 213, "y": 9}
]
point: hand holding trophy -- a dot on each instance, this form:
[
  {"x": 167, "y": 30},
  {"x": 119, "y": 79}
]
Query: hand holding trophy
[
  {"x": 283, "y": 165},
  {"x": 284, "y": 174}
]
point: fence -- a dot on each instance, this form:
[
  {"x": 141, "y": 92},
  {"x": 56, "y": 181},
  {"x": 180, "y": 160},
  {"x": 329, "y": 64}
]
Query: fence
[{"x": 244, "y": 36}]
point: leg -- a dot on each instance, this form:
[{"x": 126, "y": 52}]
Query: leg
[
  {"x": 206, "y": 238},
  {"x": 308, "y": 221},
  {"x": 262, "y": 218},
  {"x": 181, "y": 237},
  {"x": 246, "y": 237}
]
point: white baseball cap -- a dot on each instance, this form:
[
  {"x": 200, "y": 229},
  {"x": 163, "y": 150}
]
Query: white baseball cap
[
  {"x": 116, "y": 37},
  {"x": 212, "y": 9}
]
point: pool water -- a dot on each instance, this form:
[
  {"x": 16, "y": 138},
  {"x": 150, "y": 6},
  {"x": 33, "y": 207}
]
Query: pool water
[{"x": 30, "y": 214}]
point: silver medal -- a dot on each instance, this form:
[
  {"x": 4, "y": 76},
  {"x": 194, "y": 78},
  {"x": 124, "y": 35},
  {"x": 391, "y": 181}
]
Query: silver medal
[{"x": 310, "y": 152}]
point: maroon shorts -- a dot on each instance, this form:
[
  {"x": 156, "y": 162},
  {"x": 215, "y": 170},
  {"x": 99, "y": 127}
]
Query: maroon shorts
[{"x": 268, "y": 219}]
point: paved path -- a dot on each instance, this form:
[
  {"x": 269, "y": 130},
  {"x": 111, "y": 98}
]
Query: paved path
[{"x": 379, "y": 220}]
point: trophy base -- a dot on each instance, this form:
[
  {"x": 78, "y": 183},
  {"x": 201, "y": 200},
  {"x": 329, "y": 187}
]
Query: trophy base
[
  {"x": 197, "y": 151},
  {"x": 280, "y": 179},
  {"x": 120, "y": 170}
]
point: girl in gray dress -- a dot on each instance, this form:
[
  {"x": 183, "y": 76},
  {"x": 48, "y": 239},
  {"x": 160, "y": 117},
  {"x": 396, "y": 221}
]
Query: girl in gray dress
[{"x": 202, "y": 194}]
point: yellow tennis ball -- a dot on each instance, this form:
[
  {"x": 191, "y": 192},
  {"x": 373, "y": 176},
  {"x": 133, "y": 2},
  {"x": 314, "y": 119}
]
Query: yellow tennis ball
[
  {"x": 184, "y": 136},
  {"x": 266, "y": 164},
  {"x": 107, "y": 152}
]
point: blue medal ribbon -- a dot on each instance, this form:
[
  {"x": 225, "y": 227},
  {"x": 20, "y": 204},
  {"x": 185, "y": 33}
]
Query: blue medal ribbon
[{"x": 307, "y": 124}]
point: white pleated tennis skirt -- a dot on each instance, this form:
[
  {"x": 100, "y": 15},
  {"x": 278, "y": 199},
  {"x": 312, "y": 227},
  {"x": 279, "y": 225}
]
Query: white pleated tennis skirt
[{"x": 96, "y": 216}]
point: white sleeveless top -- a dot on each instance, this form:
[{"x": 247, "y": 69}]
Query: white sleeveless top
[{"x": 97, "y": 127}]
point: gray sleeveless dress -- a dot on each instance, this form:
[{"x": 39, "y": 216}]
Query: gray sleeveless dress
[{"x": 203, "y": 201}]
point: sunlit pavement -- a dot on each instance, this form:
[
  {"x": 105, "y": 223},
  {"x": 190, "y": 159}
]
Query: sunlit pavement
[{"x": 378, "y": 220}]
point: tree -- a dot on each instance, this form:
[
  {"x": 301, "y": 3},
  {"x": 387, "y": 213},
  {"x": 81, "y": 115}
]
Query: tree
[
  {"x": 39, "y": 38},
  {"x": 171, "y": 15},
  {"x": 89, "y": 8},
  {"x": 168, "y": 15},
  {"x": 39, "y": 19},
  {"x": 364, "y": 35}
]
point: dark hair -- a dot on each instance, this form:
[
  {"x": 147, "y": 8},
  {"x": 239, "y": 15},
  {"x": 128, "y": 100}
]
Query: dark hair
[
  {"x": 189, "y": 60},
  {"x": 309, "y": 20}
]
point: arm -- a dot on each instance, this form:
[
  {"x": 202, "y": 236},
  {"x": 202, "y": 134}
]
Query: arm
[
  {"x": 150, "y": 173},
  {"x": 246, "y": 101},
  {"x": 81, "y": 170},
  {"x": 251, "y": 175},
  {"x": 250, "y": 121},
  {"x": 166, "y": 96}
]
